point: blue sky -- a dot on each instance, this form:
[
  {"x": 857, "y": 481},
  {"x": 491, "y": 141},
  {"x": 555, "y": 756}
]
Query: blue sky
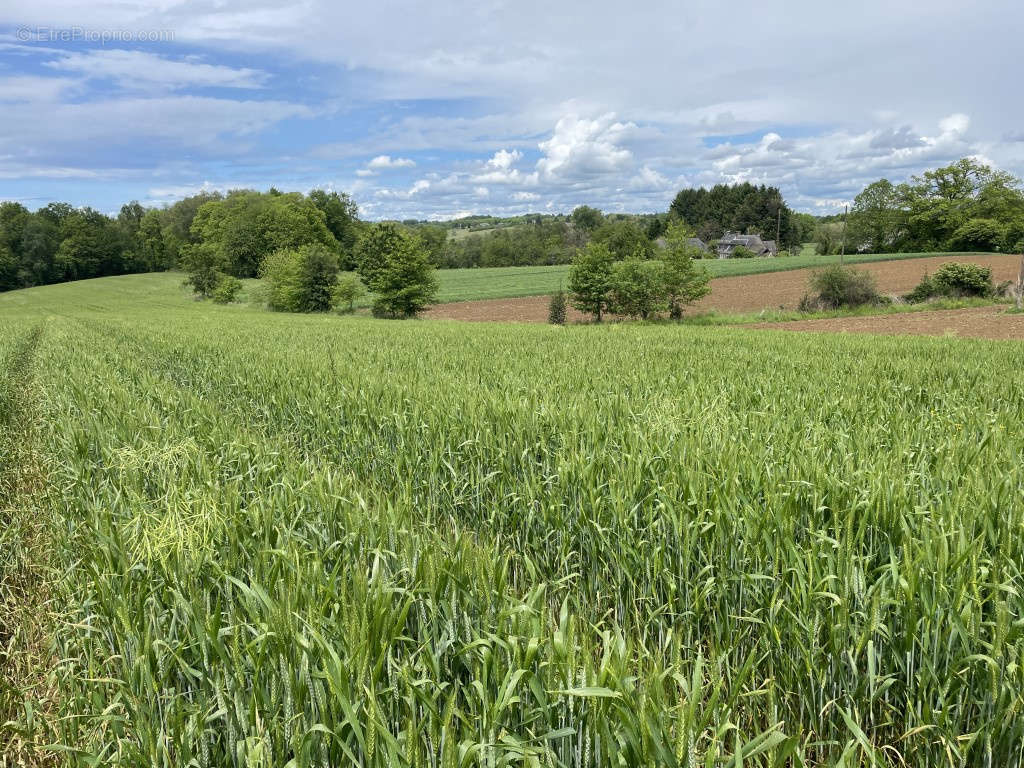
[{"x": 445, "y": 109}]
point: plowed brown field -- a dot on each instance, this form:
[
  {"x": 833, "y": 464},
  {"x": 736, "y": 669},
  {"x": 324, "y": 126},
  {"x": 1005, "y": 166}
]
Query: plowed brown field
[{"x": 740, "y": 294}]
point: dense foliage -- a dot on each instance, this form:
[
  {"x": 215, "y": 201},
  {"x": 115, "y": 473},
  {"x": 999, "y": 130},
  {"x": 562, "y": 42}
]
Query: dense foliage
[
  {"x": 738, "y": 208},
  {"x": 966, "y": 206},
  {"x": 590, "y": 279},
  {"x": 542, "y": 241},
  {"x": 300, "y": 279},
  {"x": 557, "y": 308},
  {"x": 837, "y": 287},
  {"x": 637, "y": 286},
  {"x": 59, "y": 243},
  {"x": 955, "y": 280},
  {"x": 349, "y": 542},
  {"x": 396, "y": 269}
]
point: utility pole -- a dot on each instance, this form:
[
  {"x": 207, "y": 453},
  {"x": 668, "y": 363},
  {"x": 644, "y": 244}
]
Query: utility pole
[
  {"x": 1020, "y": 285},
  {"x": 842, "y": 248},
  {"x": 778, "y": 231}
]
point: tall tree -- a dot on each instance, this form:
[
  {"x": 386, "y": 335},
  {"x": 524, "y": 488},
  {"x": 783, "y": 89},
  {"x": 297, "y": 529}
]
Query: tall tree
[
  {"x": 590, "y": 279},
  {"x": 341, "y": 215},
  {"x": 397, "y": 270}
]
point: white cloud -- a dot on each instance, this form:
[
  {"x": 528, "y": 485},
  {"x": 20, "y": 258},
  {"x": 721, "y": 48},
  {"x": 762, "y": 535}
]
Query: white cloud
[
  {"x": 30, "y": 88},
  {"x": 955, "y": 123},
  {"x": 503, "y": 160},
  {"x": 649, "y": 179},
  {"x": 138, "y": 69},
  {"x": 580, "y": 148},
  {"x": 384, "y": 162}
]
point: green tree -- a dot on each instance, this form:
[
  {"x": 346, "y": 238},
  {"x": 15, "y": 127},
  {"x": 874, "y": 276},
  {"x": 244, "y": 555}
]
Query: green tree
[
  {"x": 434, "y": 239},
  {"x": 738, "y": 208},
  {"x": 586, "y": 218},
  {"x": 151, "y": 246},
  {"x": 246, "y": 226},
  {"x": 828, "y": 238},
  {"x": 373, "y": 248},
  {"x": 638, "y": 288},
  {"x": 624, "y": 238},
  {"x": 203, "y": 268},
  {"x": 318, "y": 275},
  {"x": 280, "y": 273},
  {"x": 557, "y": 308},
  {"x": 876, "y": 221},
  {"x": 685, "y": 281},
  {"x": 397, "y": 270},
  {"x": 37, "y": 259},
  {"x": 590, "y": 279},
  {"x": 8, "y": 269},
  {"x": 341, "y": 215},
  {"x": 348, "y": 290},
  {"x": 979, "y": 235},
  {"x": 91, "y": 246}
]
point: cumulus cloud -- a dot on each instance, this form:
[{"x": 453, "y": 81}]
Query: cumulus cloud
[
  {"x": 580, "y": 147},
  {"x": 385, "y": 162},
  {"x": 503, "y": 160}
]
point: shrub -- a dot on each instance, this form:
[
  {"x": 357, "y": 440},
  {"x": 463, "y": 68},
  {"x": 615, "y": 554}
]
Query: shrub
[
  {"x": 226, "y": 289},
  {"x": 954, "y": 280},
  {"x": 808, "y": 303},
  {"x": 742, "y": 252},
  {"x": 280, "y": 274},
  {"x": 347, "y": 291},
  {"x": 557, "y": 308},
  {"x": 638, "y": 288},
  {"x": 300, "y": 280},
  {"x": 838, "y": 287}
]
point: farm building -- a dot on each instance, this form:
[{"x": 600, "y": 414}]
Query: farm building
[{"x": 732, "y": 240}]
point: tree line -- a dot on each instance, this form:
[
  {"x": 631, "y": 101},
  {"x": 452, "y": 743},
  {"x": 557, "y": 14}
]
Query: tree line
[
  {"x": 965, "y": 206},
  {"x": 744, "y": 208}
]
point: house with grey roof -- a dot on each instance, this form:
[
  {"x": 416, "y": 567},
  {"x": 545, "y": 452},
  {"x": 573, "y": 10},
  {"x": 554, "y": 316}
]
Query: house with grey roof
[{"x": 730, "y": 241}]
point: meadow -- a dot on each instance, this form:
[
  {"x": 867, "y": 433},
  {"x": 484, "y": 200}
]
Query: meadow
[{"x": 254, "y": 539}]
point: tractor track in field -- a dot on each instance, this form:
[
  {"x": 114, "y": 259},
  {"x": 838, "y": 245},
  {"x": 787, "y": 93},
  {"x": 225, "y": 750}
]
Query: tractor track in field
[
  {"x": 772, "y": 290},
  {"x": 25, "y": 545}
]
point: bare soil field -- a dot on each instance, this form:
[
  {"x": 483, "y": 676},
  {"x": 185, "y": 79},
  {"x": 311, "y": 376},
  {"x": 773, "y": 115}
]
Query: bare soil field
[
  {"x": 737, "y": 294},
  {"x": 976, "y": 322}
]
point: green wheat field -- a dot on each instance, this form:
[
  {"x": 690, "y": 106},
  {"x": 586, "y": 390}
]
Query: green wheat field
[{"x": 236, "y": 538}]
